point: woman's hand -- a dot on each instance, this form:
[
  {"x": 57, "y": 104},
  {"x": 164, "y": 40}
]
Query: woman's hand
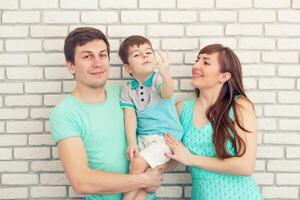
[{"x": 180, "y": 152}]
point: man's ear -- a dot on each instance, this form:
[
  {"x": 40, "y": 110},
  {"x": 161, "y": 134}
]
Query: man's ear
[
  {"x": 225, "y": 77},
  {"x": 71, "y": 67}
]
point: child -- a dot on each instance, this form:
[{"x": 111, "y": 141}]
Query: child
[{"x": 150, "y": 111}]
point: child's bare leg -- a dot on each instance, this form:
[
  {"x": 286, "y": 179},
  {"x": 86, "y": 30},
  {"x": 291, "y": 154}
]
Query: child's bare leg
[
  {"x": 141, "y": 195},
  {"x": 137, "y": 166}
]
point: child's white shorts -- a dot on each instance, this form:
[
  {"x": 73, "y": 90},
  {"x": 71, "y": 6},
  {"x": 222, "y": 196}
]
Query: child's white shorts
[{"x": 153, "y": 148}]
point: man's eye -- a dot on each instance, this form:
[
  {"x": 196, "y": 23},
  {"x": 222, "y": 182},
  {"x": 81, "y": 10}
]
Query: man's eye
[
  {"x": 87, "y": 57},
  {"x": 103, "y": 55}
]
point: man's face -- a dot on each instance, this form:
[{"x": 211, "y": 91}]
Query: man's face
[{"x": 91, "y": 64}]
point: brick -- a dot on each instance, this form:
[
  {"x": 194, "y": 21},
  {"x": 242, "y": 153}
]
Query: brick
[
  {"x": 6, "y": 88},
  {"x": 292, "y": 152},
  {"x": 79, "y": 4},
  {"x": 289, "y": 70},
  {"x": 100, "y": 27},
  {"x": 246, "y": 57},
  {"x": 57, "y": 73},
  {"x": 13, "y": 31},
  {"x": 250, "y": 83},
  {"x": 179, "y": 44},
  {"x": 280, "y": 192},
  {"x": 165, "y": 30},
  {"x": 266, "y": 124},
  {"x": 187, "y": 191},
  {"x": 118, "y": 4},
  {"x": 296, "y": 4},
  {"x": 41, "y": 139},
  {"x": 288, "y": 179},
  {"x": 262, "y": 97},
  {"x": 280, "y": 57},
  {"x": 284, "y": 138},
  {"x": 242, "y": 29},
  {"x": 55, "y": 152},
  {"x": 186, "y": 84},
  {"x": 260, "y": 165},
  {"x": 204, "y": 30},
  {"x": 289, "y": 124},
  {"x": 288, "y": 43},
  {"x": 229, "y": 4},
  {"x": 48, "y": 31},
  {"x": 69, "y": 86},
  {"x": 32, "y": 153},
  {"x": 298, "y": 84},
  {"x": 218, "y": 16},
  {"x": 13, "y": 166},
  {"x": 53, "y": 45},
  {"x": 289, "y": 97},
  {"x": 47, "y": 59},
  {"x": 181, "y": 71},
  {"x": 13, "y": 193},
  {"x": 13, "y": 59},
  {"x": 9, "y": 4},
  {"x": 23, "y": 100},
  {"x": 24, "y": 126},
  {"x": 289, "y": 16},
  {"x": 40, "y": 113},
  {"x": 173, "y": 178},
  {"x": 23, "y": 45},
  {"x": 282, "y": 110},
  {"x": 13, "y": 113},
  {"x": 264, "y": 178},
  {"x": 42, "y": 87},
  {"x": 48, "y": 191},
  {"x": 19, "y": 179},
  {"x": 270, "y": 152},
  {"x": 73, "y": 194},
  {"x": 190, "y": 57},
  {"x": 103, "y": 17},
  {"x": 5, "y": 153},
  {"x": 256, "y": 43},
  {"x": 2, "y": 74},
  {"x": 176, "y": 57},
  {"x": 27, "y": 73},
  {"x": 229, "y": 42},
  {"x": 47, "y": 166},
  {"x": 125, "y": 30},
  {"x": 282, "y": 30},
  {"x": 54, "y": 179},
  {"x": 60, "y": 17},
  {"x": 172, "y": 16},
  {"x": 169, "y": 191},
  {"x": 41, "y": 4},
  {"x": 194, "y": 4},
  {"x": 21, "y": 17},
  {"x": 139, "y": 17},
  {"x": 12, "y": 140},
  {"x": 258, "y": 70},
  {"x": 1, "y": 45},
  {"x": 114, "y": 44},
  {"x": 255, "y": 15},
  {"x": 271, "y": 3},
  {"x": 52, "y": 100},
  {"x": 283, "y": 166},
  {"x": 157, "y": 4}
]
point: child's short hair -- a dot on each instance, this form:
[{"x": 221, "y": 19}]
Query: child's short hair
[{"x": 129, "y": 42}]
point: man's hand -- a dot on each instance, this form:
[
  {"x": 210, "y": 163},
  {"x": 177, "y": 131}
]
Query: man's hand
[
  {"x": 154, "y": 177},
  {"x": 132, "y": 151}
]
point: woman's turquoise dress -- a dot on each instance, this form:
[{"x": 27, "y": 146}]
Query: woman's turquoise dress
[{"x": 208, "y": 185}]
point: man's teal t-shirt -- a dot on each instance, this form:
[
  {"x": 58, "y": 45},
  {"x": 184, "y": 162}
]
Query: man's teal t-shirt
[{"x": 101, "y": 128}]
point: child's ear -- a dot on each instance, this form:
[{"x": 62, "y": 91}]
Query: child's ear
[
  {"x": 127, "y": 68},
  {"x": 71, "y": 67}
]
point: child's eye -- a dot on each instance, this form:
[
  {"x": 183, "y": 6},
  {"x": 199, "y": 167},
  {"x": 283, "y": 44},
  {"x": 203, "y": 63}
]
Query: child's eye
[
  {"x": 206, "y": 63},
  {"x": 136, "y": 55},
  {"x": 149, "y": 52},
  {"x": 196, "y": 60}
]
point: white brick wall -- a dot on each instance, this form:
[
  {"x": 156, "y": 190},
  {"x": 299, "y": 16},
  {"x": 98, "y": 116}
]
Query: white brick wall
[{"x": 265, "y": 34}]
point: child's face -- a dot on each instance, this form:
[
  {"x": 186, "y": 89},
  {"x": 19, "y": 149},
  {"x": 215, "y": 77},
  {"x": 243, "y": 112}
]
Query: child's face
[{"x": 141, "y": 60}]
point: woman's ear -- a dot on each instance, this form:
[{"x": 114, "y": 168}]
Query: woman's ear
[
  {"x": 71, "y": 67},
  {"x": 225, "y": 77}
]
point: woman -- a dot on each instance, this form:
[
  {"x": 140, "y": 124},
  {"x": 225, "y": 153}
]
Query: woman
[{"x": 219, "y": 129}]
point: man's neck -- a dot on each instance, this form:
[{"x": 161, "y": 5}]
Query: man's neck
[{"x": 89, "y": 95}]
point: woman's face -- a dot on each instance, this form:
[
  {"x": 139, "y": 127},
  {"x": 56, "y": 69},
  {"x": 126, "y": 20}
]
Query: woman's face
[{"x": 206, "y": 72}]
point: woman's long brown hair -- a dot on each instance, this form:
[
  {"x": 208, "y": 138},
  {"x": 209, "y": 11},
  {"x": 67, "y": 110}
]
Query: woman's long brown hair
[{"x": 218, "y": 113}]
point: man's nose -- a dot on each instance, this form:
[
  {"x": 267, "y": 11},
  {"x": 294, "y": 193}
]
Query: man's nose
[{"x": 97, "y": 62}]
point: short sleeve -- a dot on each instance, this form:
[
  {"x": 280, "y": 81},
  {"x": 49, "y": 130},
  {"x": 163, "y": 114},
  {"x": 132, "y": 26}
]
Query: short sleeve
[
  {"x": 63, "y": 124},
  {"x": 126, "y": 100}
]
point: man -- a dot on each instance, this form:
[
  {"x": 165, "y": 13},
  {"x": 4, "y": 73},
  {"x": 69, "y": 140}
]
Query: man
[{"x": 88, "y": 126}]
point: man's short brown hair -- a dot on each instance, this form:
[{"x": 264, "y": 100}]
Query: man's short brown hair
[
  {"x": 129, "y": 42},
  {"x": 81, "y": 36}
]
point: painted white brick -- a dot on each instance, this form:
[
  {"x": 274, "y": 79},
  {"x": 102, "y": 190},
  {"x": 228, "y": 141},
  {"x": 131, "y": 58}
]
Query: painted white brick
[
  {"x": 280, "y": 192},
  {"x": 19, "y": 179},
  {"x": 20, "y": 17},
  {"x": 32, "y": 153},
  {"x": 118, "y": 4},
  {"x": 57, "y": 73},
  {"x": 42, "y": 87},
  {"x": 23, "y": 45},
  {"x": 53, "y": 45},
  {"x": 55, "y": 152},
  {"x": 243, "y": 29},
  {"x": 52, "y": 100},
  {"x": 172, "y": 178},
  {"x": 1, "y": 44},
  {"x": 165, "y": 30},
  {"x": 282, "y": 110},
  {"x": 229, "y": 42},
  {"x": 13, "y": 113},
  {"x": 289, "y": 124},
  {"x": 178, "y": 16},
  {"x": 115, "y": 59},
  {"x": 79, "y": 4},
  {"x": 48, "y": 191},
  {"x": 24, "y": 126},
  {"x": 13, "y": 59},
  {"x": 270, "y": 152},
  {"x": 48, "y": 31},
  {"x": 282, "y": 30},
  {"x": 276, "y": 83},
  {"x": 262, "y": 97},
  {"x": 288, "y": 179},
  {"x": 187, "y": 191},
  {"x": 54, "y": 179},
  {"x": 272, "y": 4},
  {"x": 296, "y": 3},
  {"x": 47, "y": 166},
  {"x": 28, "y": 73},
  {"x": 266, "y": 124},
  {"x": 248, "y": 56},
  {"x": 13, "y": 166},
  {"x": 284, "y": 138},
  {"x": 103, "y": 17},
  {"x": 264, "y": 178},
  {"x": 289, "y": 70},
  {"x": 176, "y": 57},
  {"x": 5, "y": 153},
  {"x": 139, "y": 17},
  {"x": 289, "y": 16},
  {"x": 260, "y": 165},
  {"x": 298, "y": 84},
  {"x": 204, "y": 30},
  {"x": 13, "y": 31},
  {"x": 100, "y": 27},
  {"x": 289, "y": 97},
  {"x": 12, "y": 140},
  {"x": 185, "y": 84},
  {"x": 23, "y": 100},
  {"x": 13, "y": 193},
  {"x": 257, "y": 43},
  {"x": 258, "y": 70},
  {"x": 2, "y": 74},
  {"x": 41, "y": 4},
  {"x": 181, "y": 71},
  {"x": 288, "y": 43},
  {"x": 283, "y": 165},
  {"x": 11, "y": 88},
  {"x": 125, "y": 30},
  {"x": 40, "y": 113},
  {"x": 9, "y": 4},
  {"x": 179, "y": 44},
  {"x": 169, "y": 191},
  {"x": 157, "y": 4},
  {"x": 190, "y": 57},
  {"x": 257, "y": 15},
  {"x": 43, "y": 139},
  {"x": 69, "y": 86},
  {"x": 281, "y": 57},
  {"x": 114, "y": 44},
  {"x": 233, "y": 4},
  {"x": 218, "y": 16},
  {"x": 195, "y": 4},
  {"x": 60, "y": 17},
  {"x": 47, "y": 59},
  {"x": 293, "y": 152},
  {"x": 250, "y": 83}
]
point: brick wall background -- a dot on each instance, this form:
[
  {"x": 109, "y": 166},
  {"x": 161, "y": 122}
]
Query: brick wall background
[{"x": 264, "y": 33}]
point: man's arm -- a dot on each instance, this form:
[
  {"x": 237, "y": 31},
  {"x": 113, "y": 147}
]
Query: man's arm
[{"x": 88, "y": 181}]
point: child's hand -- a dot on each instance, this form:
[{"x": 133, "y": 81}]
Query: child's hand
[
  {"x": 132, "y": 151},
  {"x": 163, "y": 65}
]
